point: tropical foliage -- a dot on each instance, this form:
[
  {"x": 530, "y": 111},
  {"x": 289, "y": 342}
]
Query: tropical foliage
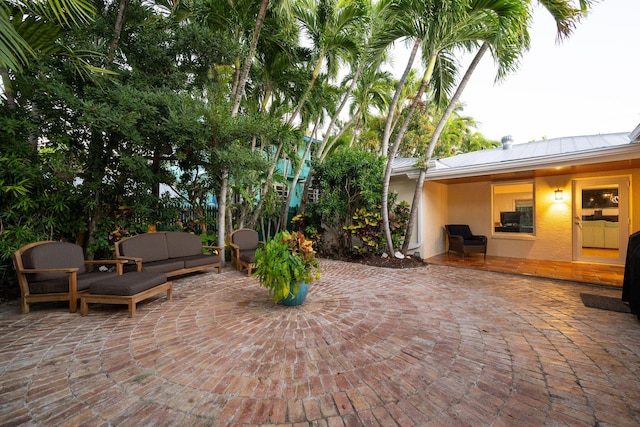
[
  {"x": 284, "y": 261},
  {"x": 106, "y": 104}
]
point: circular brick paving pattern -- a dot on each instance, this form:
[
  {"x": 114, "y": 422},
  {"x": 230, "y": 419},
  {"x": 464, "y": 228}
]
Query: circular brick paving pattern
[{"x": 370, "y": 346}]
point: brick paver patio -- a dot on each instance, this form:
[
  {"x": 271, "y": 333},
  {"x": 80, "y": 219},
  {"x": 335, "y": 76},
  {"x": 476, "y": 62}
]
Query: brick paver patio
[{"x": 437, "y": 346}]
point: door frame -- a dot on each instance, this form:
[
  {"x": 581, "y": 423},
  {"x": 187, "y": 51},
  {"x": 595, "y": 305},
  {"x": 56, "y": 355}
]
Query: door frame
[{"x": 624, "y": 208}]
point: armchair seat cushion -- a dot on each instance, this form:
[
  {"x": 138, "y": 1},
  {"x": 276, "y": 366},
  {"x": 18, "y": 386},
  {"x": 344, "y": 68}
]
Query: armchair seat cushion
[
  {"x": 62, "y": 285},
  {"x": 248, "y": 256},
  {"x": 473, "y": 242}
]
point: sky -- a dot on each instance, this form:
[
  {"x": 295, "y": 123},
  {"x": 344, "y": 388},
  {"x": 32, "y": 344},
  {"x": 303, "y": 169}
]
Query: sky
[{"x": 587, "y": 84}]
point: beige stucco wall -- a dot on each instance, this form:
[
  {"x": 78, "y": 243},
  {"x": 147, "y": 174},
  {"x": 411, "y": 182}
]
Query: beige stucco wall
[
  {"x": 428, "y": 237},
  {"x": 470, "y": 203}
]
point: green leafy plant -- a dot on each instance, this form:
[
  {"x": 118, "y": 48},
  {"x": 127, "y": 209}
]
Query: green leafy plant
[{"x": 285, "y": 260}]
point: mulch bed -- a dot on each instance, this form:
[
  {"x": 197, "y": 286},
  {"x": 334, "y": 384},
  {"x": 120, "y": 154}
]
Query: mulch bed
[{"x": 388, "y": 262}]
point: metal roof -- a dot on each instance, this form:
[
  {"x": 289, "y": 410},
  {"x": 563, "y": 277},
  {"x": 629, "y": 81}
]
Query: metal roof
[{"x": 527, "y": 156}]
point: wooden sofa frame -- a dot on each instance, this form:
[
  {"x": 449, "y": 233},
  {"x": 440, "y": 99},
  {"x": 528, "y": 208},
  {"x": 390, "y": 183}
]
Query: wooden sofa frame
[{"x": 139, "y": 261}]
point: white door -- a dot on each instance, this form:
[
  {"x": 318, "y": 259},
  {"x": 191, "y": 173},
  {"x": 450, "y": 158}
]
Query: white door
[{"x": 601, "y": 220}]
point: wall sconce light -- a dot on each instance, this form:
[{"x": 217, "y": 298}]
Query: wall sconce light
[{"x": 558, "y": 194}]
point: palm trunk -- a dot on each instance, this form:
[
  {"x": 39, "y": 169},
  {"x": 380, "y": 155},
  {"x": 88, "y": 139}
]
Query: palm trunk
[
  {"x": 434, "y": 140},
  {"x": 394, "y": 150},
  {"x": 312, "y": 82},
  {"x": 222, "y": 209},
  {"x": 7, "y": 84},
  {"x": 396, "y": 97},
  {"x": 247, "y": 64},
  {"x": 343, "y": 103},
  {"x": 265, "y": 187},
  {"x": 294, "y": 181},
  {"x": 113, "y": 45}
]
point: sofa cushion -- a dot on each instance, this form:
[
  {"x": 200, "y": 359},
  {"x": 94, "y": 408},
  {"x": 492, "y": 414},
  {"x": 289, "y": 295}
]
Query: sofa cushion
[
  {"x": 183, "y": 244},
  {"x": 150, "y": 247},
  {"x": 128, "y": 284},
  {"x": 163, "y": 266},
  {"x": 198, "y": 260},
  {"x": 62, "y": 285},
  {"x": 53, "y": 255}
]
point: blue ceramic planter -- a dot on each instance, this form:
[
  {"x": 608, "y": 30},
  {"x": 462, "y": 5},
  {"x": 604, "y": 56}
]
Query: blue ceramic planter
[{"x": 299, "y": 298}]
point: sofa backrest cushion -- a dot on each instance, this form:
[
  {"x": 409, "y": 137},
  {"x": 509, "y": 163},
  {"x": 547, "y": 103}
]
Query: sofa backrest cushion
[
  {"x": 150, "y": 247},
  {"x": 459, "y": 230},
  {"x": 246, "y": 239},
  {"x": 181, "y": 244},
  {"x": 53, "y": 255}
]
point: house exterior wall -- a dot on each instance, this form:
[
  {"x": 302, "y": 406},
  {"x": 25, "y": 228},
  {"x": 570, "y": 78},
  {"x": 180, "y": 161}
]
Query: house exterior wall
[
  {"x": 471, "y": 203},
  {"x": 428, "y": 238}
]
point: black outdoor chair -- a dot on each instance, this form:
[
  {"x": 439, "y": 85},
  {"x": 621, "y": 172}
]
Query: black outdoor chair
[{"x": 462, "y": 240}]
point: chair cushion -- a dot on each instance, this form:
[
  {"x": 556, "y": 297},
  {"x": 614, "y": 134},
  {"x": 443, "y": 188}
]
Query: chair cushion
[
  {"x": 246, "y": 239},
  {"x": 181, "y": 244},
  {"x": 475, "y": 242},
  {"x": 62, "y": 285},
  {"x": 460, "y": 230},
  {"x": 150, "y": 247},
  {"x": 248, "y": 256},
  {"x": 127, "y": 284},
  {"x": 53, "y": 255},
  {"x": 197, "y": 260}
]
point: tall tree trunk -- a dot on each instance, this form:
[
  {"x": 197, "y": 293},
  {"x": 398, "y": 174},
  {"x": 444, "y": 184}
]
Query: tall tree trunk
[
  {"x": 265, "y": 187},
  {"x": 252, "y": 51},
  {"x": 434, "y": 140},
  {"x": 7, "y": 84},
  {"x": 294, "y": 182},
  {"x": 394, "y": 150},
  {"x": 113, "y": 45},
  {"x": 343, "y": 103},
  {"x": 222, "y": 209},
  {"x": 384, "y": 147},
  {"x": 305, "y": 95}
]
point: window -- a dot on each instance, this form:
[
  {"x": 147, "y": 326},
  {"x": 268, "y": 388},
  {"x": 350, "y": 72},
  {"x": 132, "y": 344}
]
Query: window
[{"x": 513, "y": 208}]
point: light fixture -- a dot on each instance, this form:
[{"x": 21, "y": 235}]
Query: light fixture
[{"x": 558, "y": 194}]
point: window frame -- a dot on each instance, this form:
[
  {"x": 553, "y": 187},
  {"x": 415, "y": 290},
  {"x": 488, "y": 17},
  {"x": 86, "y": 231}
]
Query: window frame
[{"x": 522, "y": 199}]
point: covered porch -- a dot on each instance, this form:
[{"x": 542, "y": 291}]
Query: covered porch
[{"x": 592, "y": 273}]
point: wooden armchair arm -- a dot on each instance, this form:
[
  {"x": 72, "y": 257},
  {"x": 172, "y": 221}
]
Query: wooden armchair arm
[
  {"x": 138, "y": 261},
  {"x": 214, "y": 248}
]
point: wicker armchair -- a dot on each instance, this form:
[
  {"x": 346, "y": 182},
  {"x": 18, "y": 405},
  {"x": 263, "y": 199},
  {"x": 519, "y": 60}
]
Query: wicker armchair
[{"x": 463, "y": 241}]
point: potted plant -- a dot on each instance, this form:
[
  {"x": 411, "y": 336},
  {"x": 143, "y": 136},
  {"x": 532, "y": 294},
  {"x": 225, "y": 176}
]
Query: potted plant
[{"x": 285, "y": 265}]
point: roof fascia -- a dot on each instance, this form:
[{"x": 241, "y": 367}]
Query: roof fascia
[{"x": 624, "y": 152}]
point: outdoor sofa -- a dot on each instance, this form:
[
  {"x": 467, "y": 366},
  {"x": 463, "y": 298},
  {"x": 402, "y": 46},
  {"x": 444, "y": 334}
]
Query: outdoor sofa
[{"x": 170, "y": 252}]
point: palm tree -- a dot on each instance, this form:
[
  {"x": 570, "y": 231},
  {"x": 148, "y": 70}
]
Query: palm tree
[
  {"x": 441, "y": 26},
  {"x": 28, "y": 28},
  {"x": 508, "y": 42},
  {"x": 332, "y": 27}
]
